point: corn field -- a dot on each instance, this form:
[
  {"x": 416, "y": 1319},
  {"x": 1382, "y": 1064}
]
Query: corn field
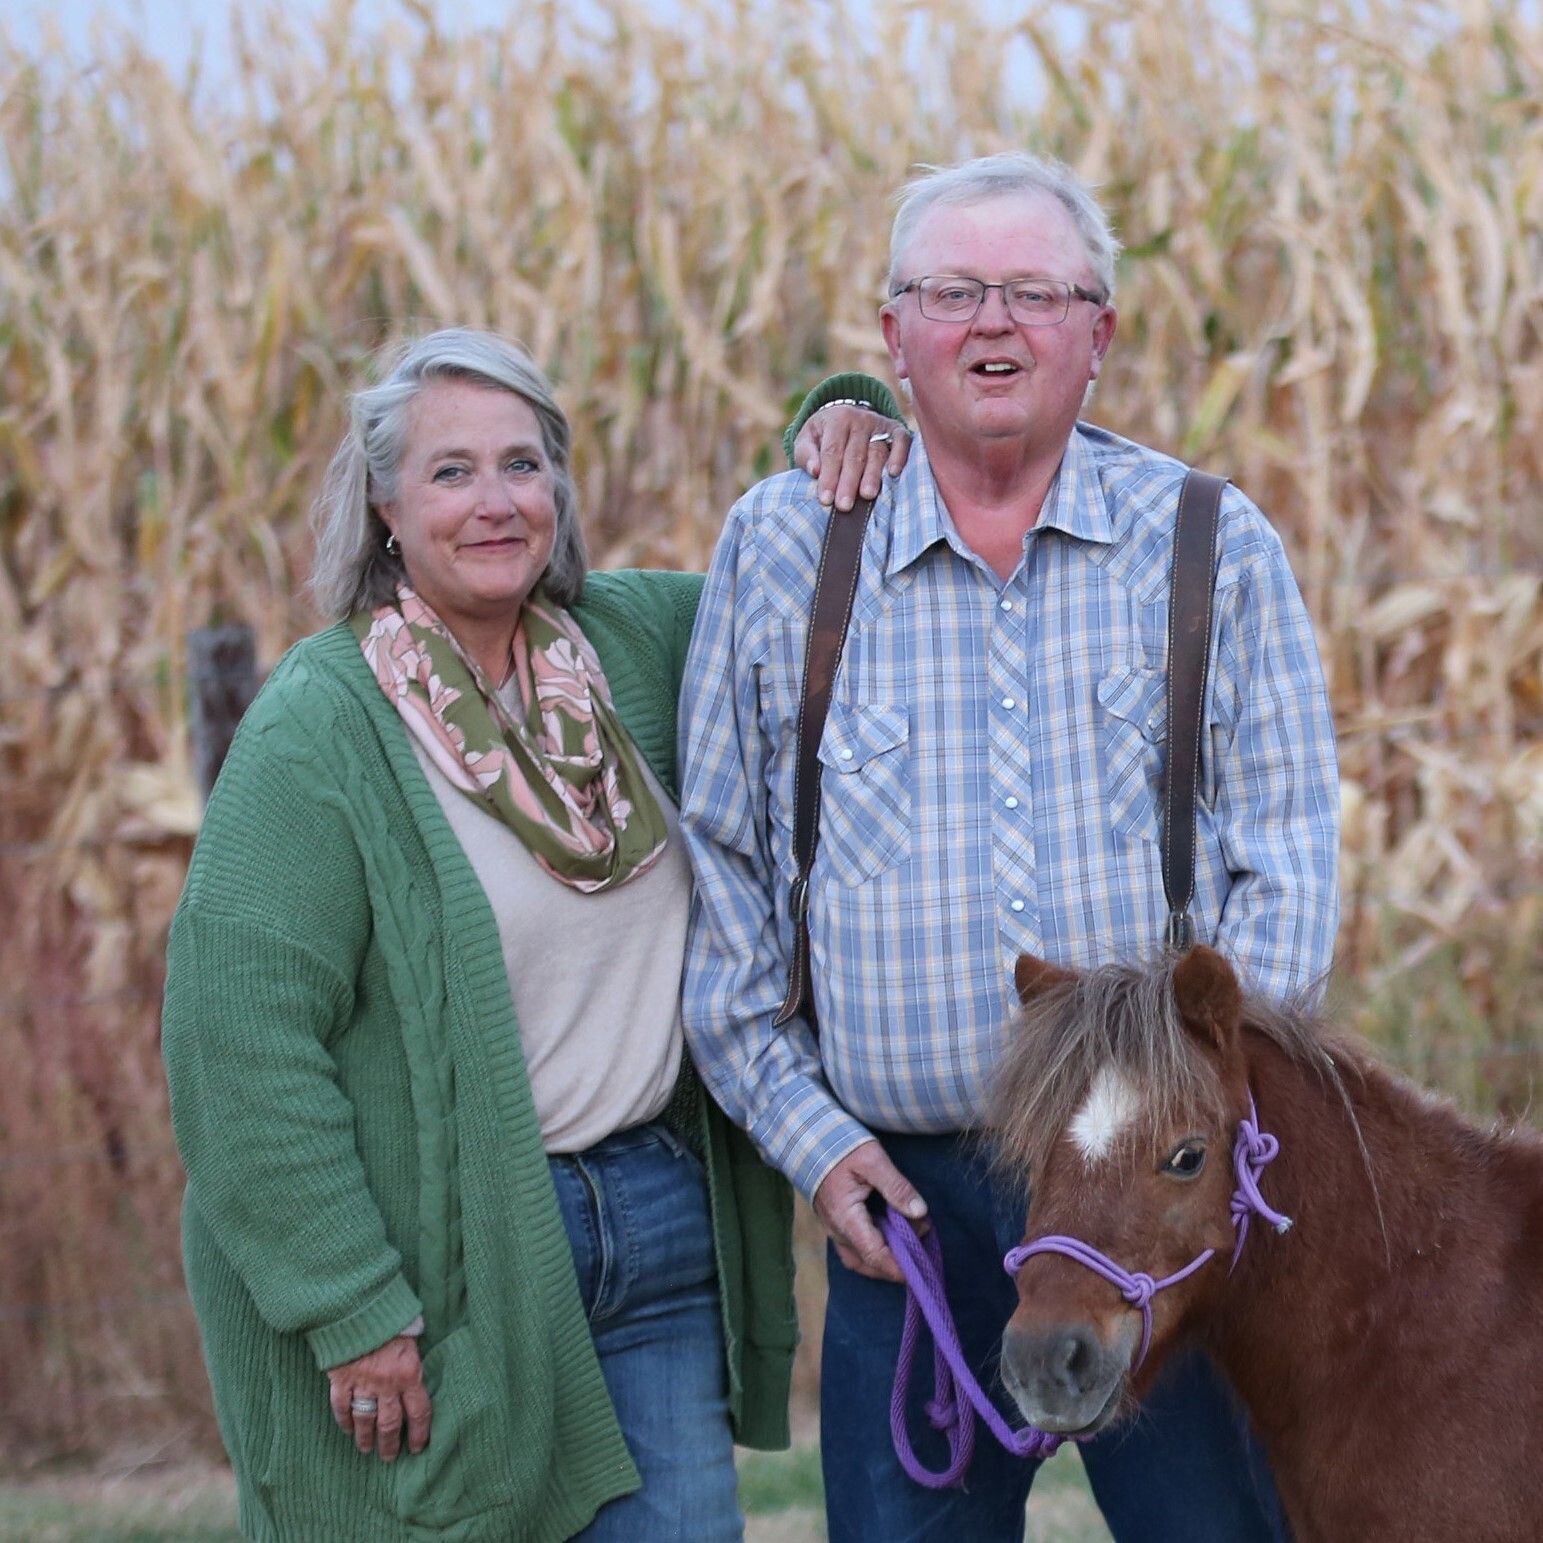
[{"x": 1332, "y": 291}]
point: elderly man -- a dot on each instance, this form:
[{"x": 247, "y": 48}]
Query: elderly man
[{"x": 992, "y": 761}]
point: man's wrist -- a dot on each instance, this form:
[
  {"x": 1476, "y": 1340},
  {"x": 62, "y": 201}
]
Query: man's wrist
[
  {"x": 860, "y": 1138},
  {"x": 807, "y": 1135}
]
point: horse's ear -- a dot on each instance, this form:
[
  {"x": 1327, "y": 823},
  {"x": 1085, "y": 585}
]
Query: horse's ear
[
  {"x": 1208, "y": 997},
  {"x": 1033, "y": 976}
]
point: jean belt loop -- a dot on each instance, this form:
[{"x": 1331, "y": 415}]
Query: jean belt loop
[{"x": 676, "y": 1146}]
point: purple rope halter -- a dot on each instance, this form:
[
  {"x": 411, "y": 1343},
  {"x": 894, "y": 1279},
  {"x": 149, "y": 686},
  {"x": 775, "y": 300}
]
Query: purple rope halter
[
  {"x": 1137, "y": 1287},
  {"x": 956, "y": 1392}
]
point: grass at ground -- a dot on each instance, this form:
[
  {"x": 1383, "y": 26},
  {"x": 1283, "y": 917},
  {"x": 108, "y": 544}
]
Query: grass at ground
[
  {"x": 188, "y": 1505},
  {"x": 781, "y": 1494},
  {"x": 783, "y": 1500}
]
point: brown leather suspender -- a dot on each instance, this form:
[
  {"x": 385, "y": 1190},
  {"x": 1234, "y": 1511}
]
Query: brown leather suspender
[
  {"x": 1189, "y": 636},
  {"x": 835, "y": 588},
  {"x": 1189, "y": 650}
]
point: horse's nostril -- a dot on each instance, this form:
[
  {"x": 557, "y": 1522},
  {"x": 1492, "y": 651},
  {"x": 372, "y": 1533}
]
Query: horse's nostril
[{"x": 1074, "y": 1361}]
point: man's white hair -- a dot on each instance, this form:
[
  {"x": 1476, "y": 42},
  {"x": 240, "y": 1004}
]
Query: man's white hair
[{"x": 1013, "y": 173}]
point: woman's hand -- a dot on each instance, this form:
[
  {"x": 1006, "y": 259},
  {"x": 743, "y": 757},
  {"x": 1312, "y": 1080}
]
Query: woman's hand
[
  {"x": 848, "y": 449},
  {"x": 375, "y": 1396}
]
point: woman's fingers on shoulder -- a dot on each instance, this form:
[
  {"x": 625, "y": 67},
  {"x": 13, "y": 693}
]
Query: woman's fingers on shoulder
[
  {"x": 806, "y": 447},
  {"x": 849, "y": 472},
  {"x": 856, "y": 447},
  {"x": 888, "y": 448}
]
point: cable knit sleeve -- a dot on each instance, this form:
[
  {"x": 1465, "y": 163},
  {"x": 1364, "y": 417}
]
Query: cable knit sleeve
[{"x": 262, "y": 970}]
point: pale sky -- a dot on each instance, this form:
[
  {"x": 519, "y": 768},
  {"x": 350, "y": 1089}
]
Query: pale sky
[{"x": 172, "y": 29}]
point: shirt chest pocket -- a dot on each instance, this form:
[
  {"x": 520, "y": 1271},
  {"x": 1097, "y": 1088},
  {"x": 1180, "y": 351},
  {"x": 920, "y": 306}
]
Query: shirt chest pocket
[
  {"x": 865, "y": 792},
  {"x": 1133, "y": 728}
]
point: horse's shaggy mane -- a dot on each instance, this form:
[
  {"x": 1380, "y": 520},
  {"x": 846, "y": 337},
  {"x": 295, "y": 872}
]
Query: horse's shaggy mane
[{"x": 1124, "y": 1015}]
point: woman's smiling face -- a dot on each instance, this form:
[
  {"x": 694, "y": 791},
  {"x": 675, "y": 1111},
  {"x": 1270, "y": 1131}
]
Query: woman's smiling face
[{"x": 474, "y": 509}]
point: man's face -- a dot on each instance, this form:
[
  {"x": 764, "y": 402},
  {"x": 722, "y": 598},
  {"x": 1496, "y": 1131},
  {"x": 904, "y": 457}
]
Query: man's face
[{"x": 981, "y": 382}]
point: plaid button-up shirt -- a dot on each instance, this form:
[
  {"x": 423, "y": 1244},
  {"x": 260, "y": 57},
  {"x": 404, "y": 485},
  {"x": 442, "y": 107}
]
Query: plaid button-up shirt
[{"x": 991, "y": 774}]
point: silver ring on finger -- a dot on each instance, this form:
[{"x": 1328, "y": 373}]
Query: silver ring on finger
[
  {"x": 363, "y": 1405},
  {"x": 883, "y": 437}
]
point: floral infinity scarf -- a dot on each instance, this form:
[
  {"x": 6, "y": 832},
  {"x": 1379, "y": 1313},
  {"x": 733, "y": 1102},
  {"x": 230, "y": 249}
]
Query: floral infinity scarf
[{"x": 563, "y": 775}]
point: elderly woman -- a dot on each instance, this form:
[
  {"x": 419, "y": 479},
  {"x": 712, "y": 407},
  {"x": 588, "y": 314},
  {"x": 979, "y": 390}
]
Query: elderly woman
[{"x": 450, "y": 1185}]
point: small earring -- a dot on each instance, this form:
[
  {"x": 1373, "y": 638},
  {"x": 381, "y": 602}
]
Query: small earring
[{"x": 393, "y": 546}]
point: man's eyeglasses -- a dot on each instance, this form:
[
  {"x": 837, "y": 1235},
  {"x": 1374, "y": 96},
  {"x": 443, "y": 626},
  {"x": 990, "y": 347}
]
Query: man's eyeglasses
[{"x": 1030, "y": 302}]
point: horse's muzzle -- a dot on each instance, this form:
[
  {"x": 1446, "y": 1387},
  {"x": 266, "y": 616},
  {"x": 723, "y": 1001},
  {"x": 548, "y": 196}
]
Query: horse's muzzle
[{"x": 1063, "y": 1377}]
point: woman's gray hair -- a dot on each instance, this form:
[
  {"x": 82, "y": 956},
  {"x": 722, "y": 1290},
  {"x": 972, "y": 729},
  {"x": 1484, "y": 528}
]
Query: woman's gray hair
[
  {"x": 353, "y": 570},
  {"x": 1014, "y": 173}
]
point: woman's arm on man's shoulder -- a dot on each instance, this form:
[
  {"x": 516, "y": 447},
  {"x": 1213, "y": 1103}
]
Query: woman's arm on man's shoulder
[{"x": 847, "y": 434}]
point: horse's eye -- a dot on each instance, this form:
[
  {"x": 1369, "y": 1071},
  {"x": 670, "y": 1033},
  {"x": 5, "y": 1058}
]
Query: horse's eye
[{"x": 1186, "y": 1161}]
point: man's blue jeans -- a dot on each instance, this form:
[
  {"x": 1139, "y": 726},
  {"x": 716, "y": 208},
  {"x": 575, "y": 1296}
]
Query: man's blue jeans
[
  {"x": 1185, "y": 1470},
  {"x": 636, "y": 1209}
]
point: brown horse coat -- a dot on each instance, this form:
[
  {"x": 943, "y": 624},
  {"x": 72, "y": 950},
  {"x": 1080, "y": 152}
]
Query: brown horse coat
[{"x": 1389, "y": 1347}]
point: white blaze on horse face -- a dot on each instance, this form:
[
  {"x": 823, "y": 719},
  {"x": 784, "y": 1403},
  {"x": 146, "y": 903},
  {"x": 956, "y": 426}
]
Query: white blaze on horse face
[{"x": 1112, "y": 1103}]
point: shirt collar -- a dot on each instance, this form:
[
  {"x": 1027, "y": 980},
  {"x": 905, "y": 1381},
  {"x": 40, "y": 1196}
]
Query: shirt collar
[
  {"x": 920, "y": 520},
  {"x": 1075, "y": 504}
]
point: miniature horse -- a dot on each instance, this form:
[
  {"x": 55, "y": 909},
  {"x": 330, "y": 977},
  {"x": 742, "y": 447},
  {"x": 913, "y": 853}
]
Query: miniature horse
[{"x": 1389, "y": 1346}]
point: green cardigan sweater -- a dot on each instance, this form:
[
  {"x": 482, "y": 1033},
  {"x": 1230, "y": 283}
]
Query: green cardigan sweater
[{"x": 352, "y": 1108}]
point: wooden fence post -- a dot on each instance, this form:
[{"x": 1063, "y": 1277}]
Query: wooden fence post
[{"x": 222, "y": 680}]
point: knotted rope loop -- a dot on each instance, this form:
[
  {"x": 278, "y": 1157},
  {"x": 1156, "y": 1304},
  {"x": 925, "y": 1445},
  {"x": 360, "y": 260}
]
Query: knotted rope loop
[
  {"x": 1252, "y": 1151},
  {"x": 1139, "y": 1291}
]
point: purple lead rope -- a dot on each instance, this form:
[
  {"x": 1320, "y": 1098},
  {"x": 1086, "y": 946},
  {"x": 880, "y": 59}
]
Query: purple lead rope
[
  {"x": 956, "y": 1393},
  {"x": 955, "y": 1389}
]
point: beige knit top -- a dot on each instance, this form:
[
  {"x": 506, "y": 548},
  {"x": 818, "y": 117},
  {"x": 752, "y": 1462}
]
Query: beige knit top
[{"x": 595, "y": 977}]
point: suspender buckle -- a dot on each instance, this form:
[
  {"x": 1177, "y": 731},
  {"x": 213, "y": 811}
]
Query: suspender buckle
[
  {"x": 1181, "y": 932},
  {"x": 799, "y": 904}
]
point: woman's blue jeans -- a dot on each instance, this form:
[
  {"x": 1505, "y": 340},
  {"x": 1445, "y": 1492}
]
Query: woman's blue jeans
[
  {"x": 1186, "y": 1469},
  {"x": 636, "y": 1209}
]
